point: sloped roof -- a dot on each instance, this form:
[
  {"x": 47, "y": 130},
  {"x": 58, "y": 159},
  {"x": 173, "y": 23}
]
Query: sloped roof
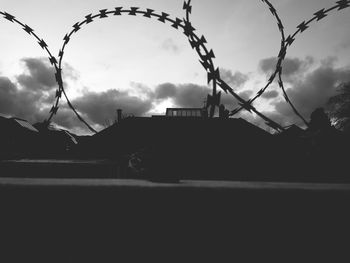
[
  {"x": 24, "y": 124},
  {"x": 293, "y": 131}
]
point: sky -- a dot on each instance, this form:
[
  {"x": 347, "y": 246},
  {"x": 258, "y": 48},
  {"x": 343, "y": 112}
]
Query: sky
[{"x": 144, "y": 66}]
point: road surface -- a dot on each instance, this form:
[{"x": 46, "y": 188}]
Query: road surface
[{"x": 183, "y": 184}]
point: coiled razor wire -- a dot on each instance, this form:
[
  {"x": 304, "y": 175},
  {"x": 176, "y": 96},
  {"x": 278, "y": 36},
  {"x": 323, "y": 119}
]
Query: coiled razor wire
[{"x": 197, "y": 43}]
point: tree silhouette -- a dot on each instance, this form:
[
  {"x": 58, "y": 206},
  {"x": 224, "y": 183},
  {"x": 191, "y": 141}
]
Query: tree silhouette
[
  {"x": 319, "y": 120},
  {"x": 339, "y": 107}
]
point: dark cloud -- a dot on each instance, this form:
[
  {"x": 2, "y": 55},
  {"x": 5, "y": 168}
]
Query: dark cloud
[
  {"x": 102, "y": 106},
  {"x": 40, "y": 76},
  {"x": 31, "y": 94},
  {"x": 183, "y": 95},
  {"x": 236, "y": 80},
  {"x": 21, "y": 103},
  {"x": 191, "y": 95},
  {"x": 166, "y": 91},
  {"x": 270, "y": 94},
  {"x": 291, "y": 66},
  {"x": 308, "y": 88},
  {"x": 313, "y": 90},
  {"x": 27, "y": 95}
]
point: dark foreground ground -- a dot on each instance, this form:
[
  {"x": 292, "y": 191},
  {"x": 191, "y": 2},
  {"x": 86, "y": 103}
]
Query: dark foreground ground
[{"x": 191, "y": 221}]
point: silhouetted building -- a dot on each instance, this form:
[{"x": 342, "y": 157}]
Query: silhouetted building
[{"x": 186, "y": 145}]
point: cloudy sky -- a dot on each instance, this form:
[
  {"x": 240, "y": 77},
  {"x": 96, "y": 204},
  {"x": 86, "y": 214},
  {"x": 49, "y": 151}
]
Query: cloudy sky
[{"x": 144, "y": 66}]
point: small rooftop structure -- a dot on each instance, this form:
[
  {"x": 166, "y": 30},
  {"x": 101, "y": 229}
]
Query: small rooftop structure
[{"x": 187, "y": 112}]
